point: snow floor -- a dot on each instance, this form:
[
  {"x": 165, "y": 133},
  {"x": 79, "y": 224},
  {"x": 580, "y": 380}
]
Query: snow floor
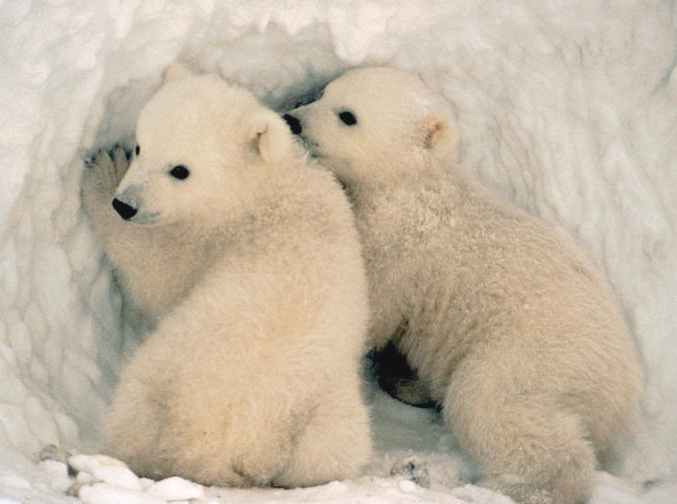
[
  {"x": 567, "y": 107},
  {"x": 403, "y": 434}
]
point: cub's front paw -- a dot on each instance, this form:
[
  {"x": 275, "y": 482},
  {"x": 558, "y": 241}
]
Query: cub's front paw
[
  {"x": 396, "y": 377},
  {"x": 106, "y": 169}
]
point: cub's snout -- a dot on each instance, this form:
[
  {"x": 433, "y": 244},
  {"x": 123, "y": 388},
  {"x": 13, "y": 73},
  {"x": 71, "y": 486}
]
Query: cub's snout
[
  {"x": 123, "y": 209},
  {"x": 294, "y": 124}
]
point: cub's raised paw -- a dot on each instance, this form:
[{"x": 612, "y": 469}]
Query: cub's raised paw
[{"x": 105, "y": 169}]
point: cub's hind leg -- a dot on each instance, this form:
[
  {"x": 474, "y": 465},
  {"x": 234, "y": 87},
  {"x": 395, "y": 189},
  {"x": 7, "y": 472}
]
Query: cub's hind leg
[
  {"x": 138, "y": 414},
  {"x": 529, "y": 447},
  {"x": 335, "y": 443}
]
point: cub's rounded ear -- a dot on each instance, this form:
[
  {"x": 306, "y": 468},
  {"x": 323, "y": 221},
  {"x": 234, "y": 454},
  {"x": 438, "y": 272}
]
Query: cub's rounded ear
[
  {"x": 270, "y": 136},
  {"x": 436, "y": 133},
  {"x": 176, "y": 71}
]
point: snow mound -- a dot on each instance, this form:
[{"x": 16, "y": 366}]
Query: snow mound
[{"x": 568, "y": 108}]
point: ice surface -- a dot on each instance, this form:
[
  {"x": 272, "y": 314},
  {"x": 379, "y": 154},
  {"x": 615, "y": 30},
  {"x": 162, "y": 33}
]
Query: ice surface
[
  {"x": 57, "y": 474},
  {"x": 103, "y": 493},
  {"x": 569, "y": 108},
  {"x": 174, "y": 489},
  {"x": 91, "y": 463}
]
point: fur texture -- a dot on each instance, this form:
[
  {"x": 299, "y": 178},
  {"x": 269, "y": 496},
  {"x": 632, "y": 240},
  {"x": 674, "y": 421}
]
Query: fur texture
[
  {"x": 252, "y": 269},
  {"x": 509, "y": 326}
]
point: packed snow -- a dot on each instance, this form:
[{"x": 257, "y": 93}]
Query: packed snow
[{"x": 569, "y": 108}]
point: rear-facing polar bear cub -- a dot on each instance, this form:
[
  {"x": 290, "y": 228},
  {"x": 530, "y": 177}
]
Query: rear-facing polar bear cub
[
  {"x": 252, "y": 374},
  {"x": 511, "y": 328}
]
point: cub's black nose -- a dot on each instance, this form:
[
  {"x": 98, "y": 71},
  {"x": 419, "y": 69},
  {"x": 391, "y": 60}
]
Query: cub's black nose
[
  {"x": 294, "y": 124},
  {"x": 125, "y": 211}
]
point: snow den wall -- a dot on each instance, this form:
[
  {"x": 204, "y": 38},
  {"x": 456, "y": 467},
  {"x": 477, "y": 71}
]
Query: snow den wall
[{"x": 569, "y": 109}]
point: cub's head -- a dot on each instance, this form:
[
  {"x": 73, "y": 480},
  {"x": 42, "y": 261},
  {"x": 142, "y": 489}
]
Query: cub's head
[
  {"x": 372, "y": 124},
  {"x": 204, "y": 148}
]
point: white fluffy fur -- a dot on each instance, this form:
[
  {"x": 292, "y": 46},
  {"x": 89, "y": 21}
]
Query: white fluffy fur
[
  {"x": 252, "y": 271},
  {"x": 510, "y": 326}
]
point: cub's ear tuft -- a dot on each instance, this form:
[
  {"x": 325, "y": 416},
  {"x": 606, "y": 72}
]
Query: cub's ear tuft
[
  {"x": 434, "y": 130},
  {"x": 176, "y": 71},
  {"x": 271, "y": 136},
  {"x": 439, "y": 137}
]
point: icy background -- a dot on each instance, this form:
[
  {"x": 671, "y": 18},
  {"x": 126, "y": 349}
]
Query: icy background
[{"x": 568, "y": 107}]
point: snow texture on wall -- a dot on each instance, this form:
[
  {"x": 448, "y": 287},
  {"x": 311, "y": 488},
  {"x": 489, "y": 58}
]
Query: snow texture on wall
[{"x": 567, "y": 107}]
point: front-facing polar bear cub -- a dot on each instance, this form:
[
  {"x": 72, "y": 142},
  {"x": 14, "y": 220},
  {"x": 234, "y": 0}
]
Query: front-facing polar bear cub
[
  {"x": 252, "y": 377},
  {"x": 511, "y": 328}
]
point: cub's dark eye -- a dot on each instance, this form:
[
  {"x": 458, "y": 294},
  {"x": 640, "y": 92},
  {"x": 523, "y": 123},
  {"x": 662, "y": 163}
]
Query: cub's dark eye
[
  {"x": 137, "y": 150},
  {"x": 179, "y": 172},
  {"x": 348, "y": 118}
]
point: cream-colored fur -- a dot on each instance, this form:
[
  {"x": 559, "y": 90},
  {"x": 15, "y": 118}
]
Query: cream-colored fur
[
  {"x": 253, "y": 270},
  {"x": 152, "y": 281},
  {"x": 509, "y": 325}
]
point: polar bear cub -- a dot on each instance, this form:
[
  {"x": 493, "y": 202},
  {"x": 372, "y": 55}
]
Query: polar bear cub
[
  {"x": 511, "y": 328},
  {"x": 252, "y": 373}
]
